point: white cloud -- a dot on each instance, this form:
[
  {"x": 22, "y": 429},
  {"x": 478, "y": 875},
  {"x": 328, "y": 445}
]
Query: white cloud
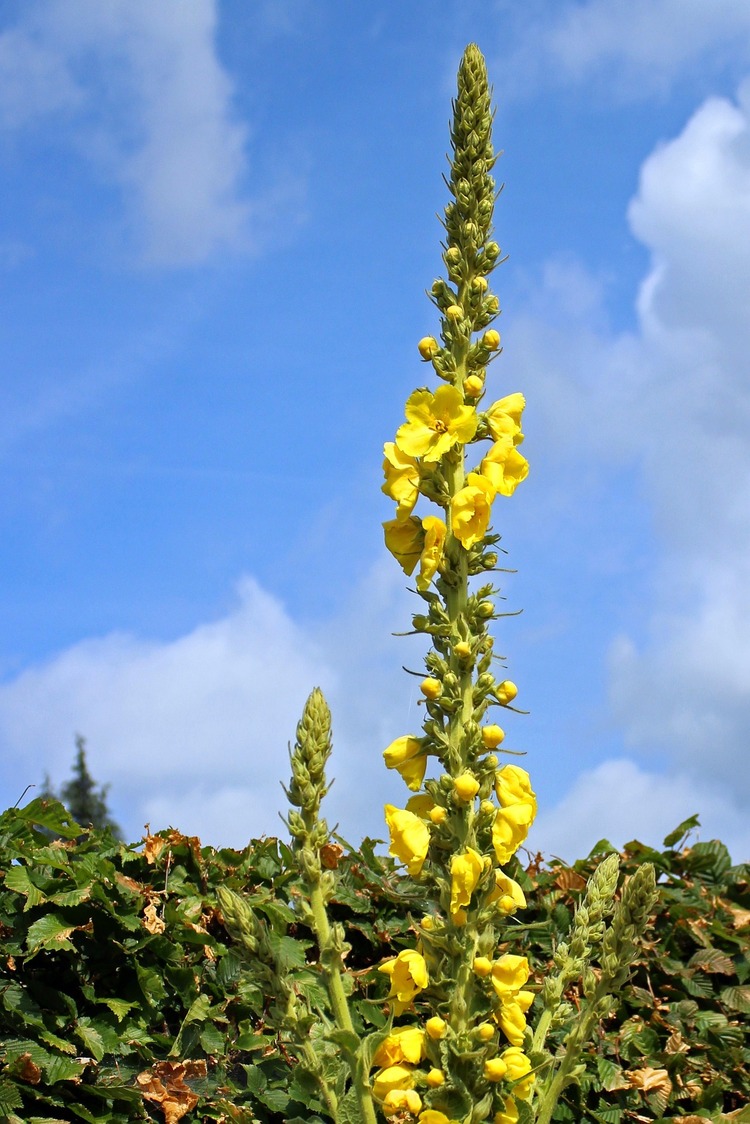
[
  {"x": 138, "y": 90},
  {"x": 194, "y": 731},
  {"x": 635, "y": 47},
  {"x": 620, "y": 802}
]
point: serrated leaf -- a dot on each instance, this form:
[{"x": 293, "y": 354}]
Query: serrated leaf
[
  {"x": 736, "y": 998},
  {"x": 681, "y": 830},
  {"x": 349, "y": 1111},
  {"x": 51, "y": 815},
  {"x": 712, "y": 960},
  {"x": 118, "y": 1007},
  {"x": 91, "y": 1039},
  {"x": 10, "y": 1097},
  {"x": 50, "y": 931},
  {"x": 18, "y": 879},
  {"x": 63, "y": 1069}
]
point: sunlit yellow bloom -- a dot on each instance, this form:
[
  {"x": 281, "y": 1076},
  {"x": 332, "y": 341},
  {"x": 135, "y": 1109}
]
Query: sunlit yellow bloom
[
  {"x": 405, "y": 540},
  {"x": 390, "y": 1078},
  {"x": 435, "y": 423},
  {"x": 508, "y": 1114},
  {"x": 409, "y": 976},
  {"x": 504, "y": 418},
  {"x": 504, "y": 467},
  {"x": 436, "y": 1028},
  {"x": 511, "y": 1020},
  {"x": 466, "y": 870},
  {"x": 509, "y": 974},
  {"x": 505, "y": 692},
  {"x": 492, "y": 736},
  {"x": 513, "y": 786},
  {"x": 495, "y": 1069},
  {"x": 405, "y": 755},
  {"x": 471, "y": 508},
  {"x": 410, "y": 838},
  {"x": 435, "y": 1078},
  {"x": 507, "y": 895},
  {"x": 403, "y": 1044},
  {"x": 428, "y": 347},
  {"x": 421, "y": 804},
  {"x": 431, "y": 688},
  {"x": 519, "y": 1071},
  {"x": 510, "y": 828},
  {"x": 401, "y": 479},
  {"x": 432, "y": 551},
  {"x": 399, "y": 1100},
  {"x": 434, "y": 1116},
  {"x": 466, "y": 786},
  {"x": 491, "y": 339}
]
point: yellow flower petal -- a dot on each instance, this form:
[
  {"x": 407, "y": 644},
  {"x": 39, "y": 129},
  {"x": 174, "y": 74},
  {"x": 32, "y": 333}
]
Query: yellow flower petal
[
  {"x": 471, "y": 508},
  {"x": 410, "y": 838},
  {"x": 405, "y": 539},
  {"x": 432, "y": 551},
  {"x": 435, "y": 423},
  {"x": 504, "y": 467},
  {"x": 513, "y": 786},
  {"x": 409, "y": 976},
  {"x": 403, "y": 1044},
  {"x": 401, "y": 479},
  {"x": 466, "y": 870},
  {"x": 504, "y": 418},
  {"x": 510, "y": 828},
  {"x": 509, "y": 974},
  {"x": 519, "y": 1071}
]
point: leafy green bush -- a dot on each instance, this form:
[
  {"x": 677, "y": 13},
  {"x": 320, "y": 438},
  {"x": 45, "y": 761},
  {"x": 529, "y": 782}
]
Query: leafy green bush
[{"x": 122, "y": 997}]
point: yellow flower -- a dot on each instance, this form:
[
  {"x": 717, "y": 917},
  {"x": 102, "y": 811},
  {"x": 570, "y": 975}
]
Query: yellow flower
[
  {"x": 401, "y": 479},
  {"x": 492, "y": 736},
  {"x": 405, "y": 540},
  {"x": 509, "y": 830},
  {"x": 508, "y": 1114},
  {"x": 504, "y": 467},
  {"x": 495, "y": 1069},
  {"x": 431, "y": 688},
  {"x": 466, "y": 871},
  {"x": 504, "y": 418},
  {"x": 400, "y": 1100},
  {"x": 470, "y": 510},
  {"x": 403, "y": 1044},
  {"x": 428, "y": 347},
  {"x": 409, "y": 976},
  {"x": 421, "y": 804},
  {"x": 393, "y": 1077},
  {"x": 406, "y": 757},
  {"x": 519, "y": 1071},
  {"x": 435, "y": 1078},
  {"x": 435, "y": 423},
  {"x": 436, "y": 1028},
  {"x": 465, "y": 786},
  {"x": 434, "y": 1116},
  {"x": 507, "y": 894},
  {"x": 509, "y": 974},
  {"x": 432, "y": 551},
  {"x": 510, "y": 1016},
  {"x": 410, "y": 838},
  {"x": 513, "y": 786}
]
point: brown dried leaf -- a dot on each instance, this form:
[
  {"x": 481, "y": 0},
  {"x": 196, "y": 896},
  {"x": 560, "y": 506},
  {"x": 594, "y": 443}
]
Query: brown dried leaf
[
  {"x": 331, "y": 855},
  {"x": 153, "y": 845},
  {"x": 27, "y": 1069},
  {"x": 740, "y": 917},
  {"x": 165, "y": 1084},
  {"x": 570, "y": 880},
  {"x": 151, "y": 919},
  {"x": 651, "y": 1080}
]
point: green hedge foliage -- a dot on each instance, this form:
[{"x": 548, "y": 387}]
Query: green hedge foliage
[{"x": 123, "y": 999}]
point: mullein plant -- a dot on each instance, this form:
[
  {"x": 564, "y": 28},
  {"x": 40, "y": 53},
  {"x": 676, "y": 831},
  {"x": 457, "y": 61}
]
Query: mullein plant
[{"x": 469, "y": 1036}]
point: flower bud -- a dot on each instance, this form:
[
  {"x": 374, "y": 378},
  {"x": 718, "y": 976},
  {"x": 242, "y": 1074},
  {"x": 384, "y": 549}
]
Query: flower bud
[
  {"x": 435, "y": 1078},
  {"x": 481, "y": 966},
  {"x": 506, "y": 692},
  {"x": 492, "y": 250},
  {"x": 436, "y": 1028},
  {"x": 428, "y": 923},
  {"x": 485, "y": 609},
  {"x": 454, "y": 312},
  {"x": 466, "y": 786},
  {"x": 492, "y": 736},
  {"x": 473, "y": 386},
  {"x": 479, "y": 285},
  {"x": 431, "y": 688},
  {"x": 452, "y": 256},
  {"x": 491, "y": 339},
  {"x": 487, "y": 808},
  {"x": 428, "y": 347},
  {"x": 485, "y": 1032},
  {"x": 463, "y": 650},
  {"x": 438, "y": 814},
  {"x": 495, "y": 1069}
]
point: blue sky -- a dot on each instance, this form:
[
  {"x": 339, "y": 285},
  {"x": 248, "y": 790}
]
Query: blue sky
[{"x": 219, "y": 224}]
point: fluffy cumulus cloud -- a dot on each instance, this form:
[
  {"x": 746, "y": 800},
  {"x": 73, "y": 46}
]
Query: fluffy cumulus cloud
[
  {"x": 138, "y": 91},
  {"x": 194, "y": 731},
  {"x": 637, "y": 47},
  {"x": 667, "y": 406}
]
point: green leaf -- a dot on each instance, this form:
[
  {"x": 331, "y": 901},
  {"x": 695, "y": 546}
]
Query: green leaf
[
  {"x": 348, "y": 1109},
  {"x": 63, "y": 1069},
  {"x": 10, "y": 1098},
  {"x": 91, "y": 1039},
  {"x": 51, "y": 815},
  {"x": 18, "y": 879},
  {"x": 736, "y": 998},
  {"x": 118, "y": 1007},
  {"x": 681, "y": 831},
  {"x": 712, "y": 960},
  {"x": 50, "y": 931}
]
